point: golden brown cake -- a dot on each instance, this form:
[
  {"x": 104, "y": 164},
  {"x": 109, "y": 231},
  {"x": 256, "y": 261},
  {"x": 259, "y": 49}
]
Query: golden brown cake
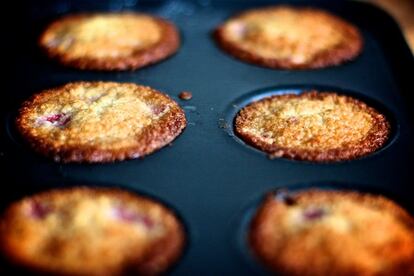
[
  {"x": 313, "y": 126},
  {"x": 290, "y": 38},
  {"x": 110, "y": 41},
  {"x": 91, "y": 231},
  {"x": 322, "y": 232},
  {"x": 99, "y": 121}
]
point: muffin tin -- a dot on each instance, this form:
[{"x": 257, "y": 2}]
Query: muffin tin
[{"x": 208, "y": 175}]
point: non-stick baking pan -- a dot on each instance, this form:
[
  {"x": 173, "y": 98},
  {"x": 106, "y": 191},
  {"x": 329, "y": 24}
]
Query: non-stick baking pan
[{"x": 208, "y": 175}]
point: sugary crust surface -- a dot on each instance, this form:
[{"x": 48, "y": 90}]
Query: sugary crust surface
[
  {"x": 318, "y": 232},
  {"x": 99, "y": 121},
  {"x": 91, "y": 231},
  {"x": 110, "y": 41},
  {"x": 288, "y": 37},
  {"x": 313, "y": 126}
]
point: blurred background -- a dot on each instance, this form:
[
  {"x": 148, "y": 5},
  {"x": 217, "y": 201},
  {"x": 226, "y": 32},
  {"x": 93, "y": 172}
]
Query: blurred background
[{"x": 401, "y": 10}]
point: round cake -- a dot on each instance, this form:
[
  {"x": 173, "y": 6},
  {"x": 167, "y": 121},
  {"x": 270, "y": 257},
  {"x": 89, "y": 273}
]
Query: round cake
[
  {"x": 91, "y": 231},
  {"x": 313, "y": 126},
  {"x": 99, "y": 121},
  {"x": 288, "y": 37},
  {"x": 110, "y": 41},
  {"x": 325, "y": 232}
]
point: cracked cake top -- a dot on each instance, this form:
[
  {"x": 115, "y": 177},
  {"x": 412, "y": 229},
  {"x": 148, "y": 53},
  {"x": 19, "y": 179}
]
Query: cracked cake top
[
  {"x": 91, "y": 231},
  {"x": 110, "y": 41},
  {"x": 99, "y": 121},
  {"x": 313, "y": 126},
  {"x": 290, "y": 37}
]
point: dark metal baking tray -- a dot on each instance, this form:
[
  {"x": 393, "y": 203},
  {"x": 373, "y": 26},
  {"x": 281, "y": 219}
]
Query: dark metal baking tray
[{"x": 209, "y": 176}]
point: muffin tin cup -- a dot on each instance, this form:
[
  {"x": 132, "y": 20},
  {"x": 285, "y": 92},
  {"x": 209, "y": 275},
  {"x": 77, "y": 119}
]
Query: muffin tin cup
[
  {"x": 236, "y": 105},
  {"x": 245, "y": 217},
  {"x": 209, "y": 175},
  {"x": 34, "y": 188}
]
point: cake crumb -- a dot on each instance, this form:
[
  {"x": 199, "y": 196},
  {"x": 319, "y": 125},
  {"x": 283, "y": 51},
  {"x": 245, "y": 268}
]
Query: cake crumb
[{"x": 185, "y": 95}]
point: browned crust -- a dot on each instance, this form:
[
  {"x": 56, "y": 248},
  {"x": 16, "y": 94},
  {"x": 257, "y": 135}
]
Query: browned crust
[
  {"x": 373, "y": 141},
  {"x": 165, "y": 47},
  {"x": 258, "y": 241},
  {"x": 151, "y": 139},
  {"x": 334, "y": 56},
  {"x": 161, "y": 256}
]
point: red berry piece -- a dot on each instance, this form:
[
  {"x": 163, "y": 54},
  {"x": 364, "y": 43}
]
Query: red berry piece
[
  {"x": 39, "y": 210},
  {"x": 59, "y": 119},
  {"x": 130, "y": 216},
  {"x": 314, "y": 213},
  {"x": 158, "y": 109}
]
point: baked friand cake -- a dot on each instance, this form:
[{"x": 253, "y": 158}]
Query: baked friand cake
[
  {"x": 91, "y": 231},
  {"x": 287, "y": 37},
  {"x": 313, "y": 126},
  {"x": 110, "y": 41},
  {"x": 326, "y": 232},
  {"x": 99, "y": 121}
]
